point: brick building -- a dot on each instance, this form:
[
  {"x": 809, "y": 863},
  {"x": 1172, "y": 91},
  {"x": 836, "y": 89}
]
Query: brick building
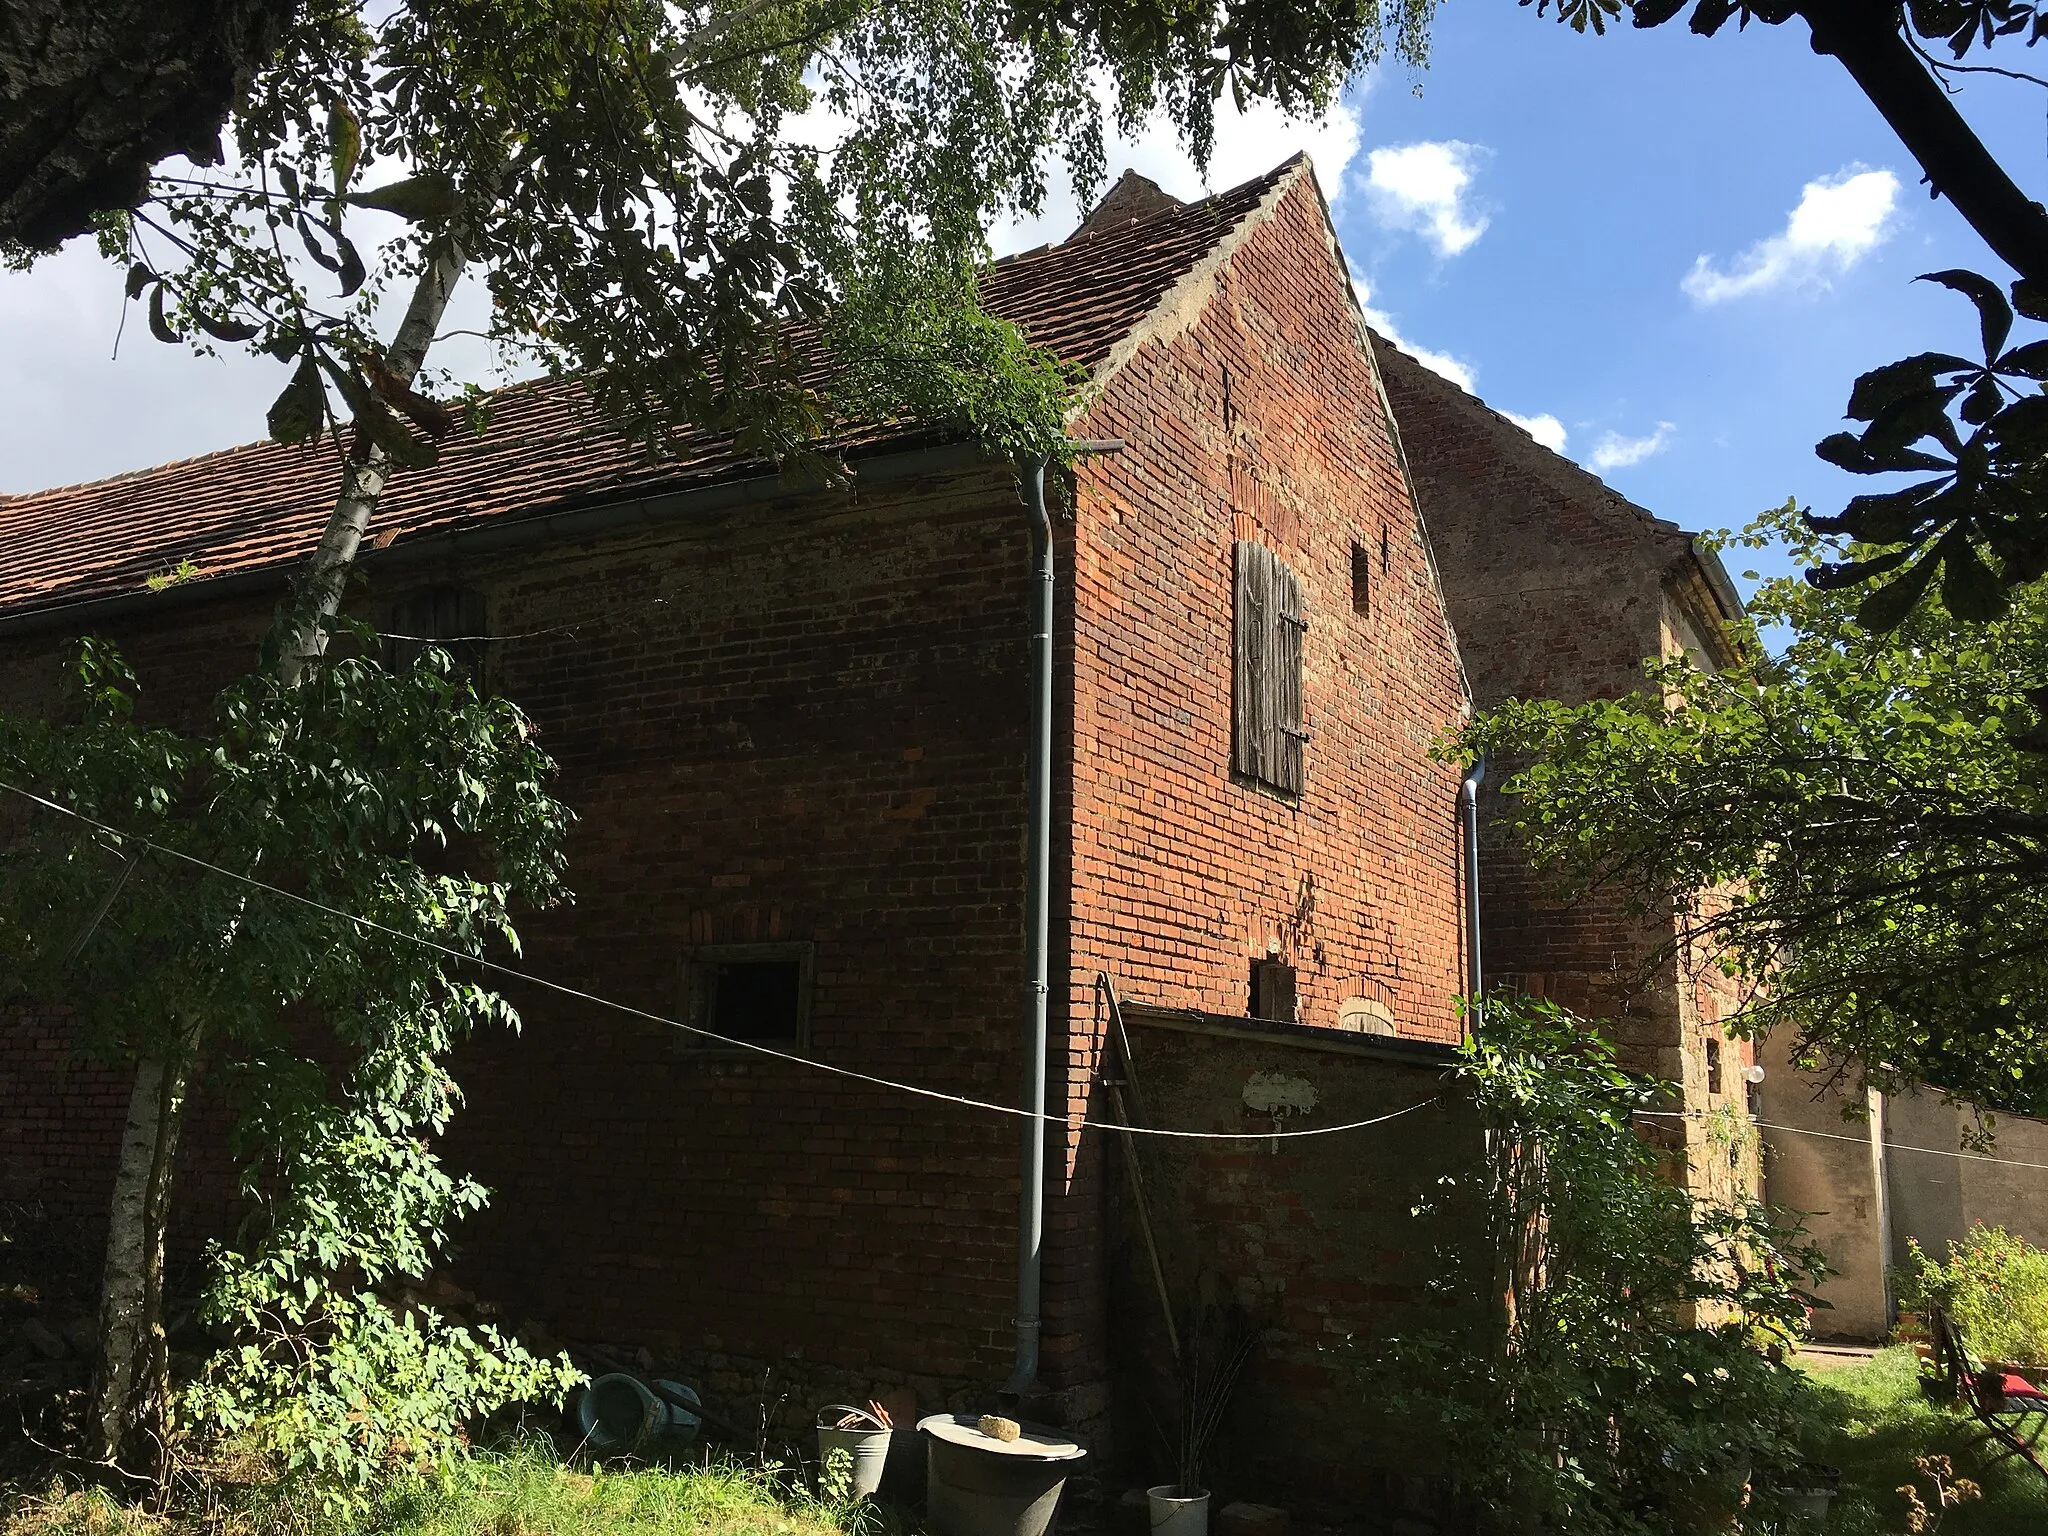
[
  {"x": 793, "y": 722},
  {"x": 1558, "y": 587}
]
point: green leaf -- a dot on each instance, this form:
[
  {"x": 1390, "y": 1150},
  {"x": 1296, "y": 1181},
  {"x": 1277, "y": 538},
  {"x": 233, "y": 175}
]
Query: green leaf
[
  {"x": 221, "y": 329},
  {"x": 1994, "y": 314},
  {"x": 297, "y": 415},
  {"x": 139, "y": 278},
  {"x": 2030, "y": 298},
  {"x": 1830, "y": 578},
  {"x": 345, "y": 144},
  {"x": 1969, "y": 589},
  {"x": 1884, "y": 387},
  {"x": 160, "y": 327},
  {"x": 351, "y": 270},
  {"x": 421, "y": 199},
  {"x": 1886, "y": 607},
  {"x": 2029, "y": 361}
]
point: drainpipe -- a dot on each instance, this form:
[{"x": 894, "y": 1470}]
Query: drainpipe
[
  {"x": 1468, "y": 812},
  {"x": 1037, "y": 919}
]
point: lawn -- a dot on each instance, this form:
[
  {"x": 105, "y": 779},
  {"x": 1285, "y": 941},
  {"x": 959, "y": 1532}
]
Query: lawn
[
  {"x": 1879, "y": 1421},
  {"x": 520, "y": 1493}
]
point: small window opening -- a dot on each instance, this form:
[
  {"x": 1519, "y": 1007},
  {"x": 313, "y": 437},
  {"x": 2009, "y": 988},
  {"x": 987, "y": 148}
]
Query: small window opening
[
  {"x": 754, "y": 999},
  {"x": 1713, "y": 1066},
  {"x": 759, "y": 993},
  {"x": 1361, "y": 581},
  {"x": 1273, "y": 991},
  {"x": 1386, "y": 550},
  {"x": 453, "y": 618}
]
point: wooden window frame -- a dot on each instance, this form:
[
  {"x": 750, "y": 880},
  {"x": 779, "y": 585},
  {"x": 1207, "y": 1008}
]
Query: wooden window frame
[
  {"x": 697, "y": 991},
  {"x": 444, "y": 613},
  {"x": 1269, "y": 735}
]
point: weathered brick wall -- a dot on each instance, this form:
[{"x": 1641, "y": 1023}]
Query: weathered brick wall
[
  {"x": 1558, "y": 588},
  {"x": 1251, "y": 412},
  {"x": 1315, "y": 1242},
  {"x": 801, "y": 720}
]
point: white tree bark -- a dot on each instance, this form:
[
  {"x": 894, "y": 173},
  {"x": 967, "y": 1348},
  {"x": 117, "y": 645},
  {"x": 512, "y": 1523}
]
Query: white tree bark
[
  {"x": 131, "y": 1379},
  {"x": 368, "y": 467}
]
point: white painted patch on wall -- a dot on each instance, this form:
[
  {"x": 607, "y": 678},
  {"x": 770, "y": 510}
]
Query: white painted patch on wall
[{"x": 1276, "y": 1093}]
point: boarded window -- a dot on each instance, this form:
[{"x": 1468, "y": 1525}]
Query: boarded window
[
  {"x": 454, "y": 618},
  {"x": 1267, "y": 713},
  {"x": 1273, "y": 991}
]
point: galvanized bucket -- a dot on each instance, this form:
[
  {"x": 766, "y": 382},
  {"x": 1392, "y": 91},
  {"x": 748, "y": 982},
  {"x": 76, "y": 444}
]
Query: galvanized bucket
[{"x": 865, "y": 1446}]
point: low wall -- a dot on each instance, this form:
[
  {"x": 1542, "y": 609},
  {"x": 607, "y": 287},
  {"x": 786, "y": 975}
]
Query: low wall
[
  {"x": 1325, "y": 1242},
  {"x": 1828, "y": 1169}
]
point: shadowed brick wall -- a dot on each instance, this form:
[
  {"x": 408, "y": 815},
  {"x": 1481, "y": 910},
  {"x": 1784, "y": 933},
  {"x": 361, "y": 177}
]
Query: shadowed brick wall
[
  {"x": 1251, "y": 412},
  {"x": 1558, "y": 587}
]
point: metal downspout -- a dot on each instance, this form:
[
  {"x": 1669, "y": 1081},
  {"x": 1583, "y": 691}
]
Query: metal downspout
[
  {"x": 1037, "y": 924},
  {"x": 1037, "y": 917},
  {"x": 1468, "y": 812}
]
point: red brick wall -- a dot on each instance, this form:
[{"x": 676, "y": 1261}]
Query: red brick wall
[
  {"x": 795, "y": 721},
  {"x": 1182, "y": 875}
]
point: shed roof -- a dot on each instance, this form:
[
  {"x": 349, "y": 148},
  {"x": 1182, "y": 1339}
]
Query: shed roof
[{"x": 261, "y": 507}]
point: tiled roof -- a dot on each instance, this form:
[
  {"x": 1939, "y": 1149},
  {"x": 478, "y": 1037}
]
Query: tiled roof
[{"x": 261, "y": 507}]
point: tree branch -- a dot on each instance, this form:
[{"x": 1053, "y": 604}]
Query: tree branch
[{"x": 1865, "y": 36}]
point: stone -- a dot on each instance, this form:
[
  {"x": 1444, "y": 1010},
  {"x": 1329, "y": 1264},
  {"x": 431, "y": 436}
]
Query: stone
[
  {"x": 1242, "y": 1519},
  {"x": 83, "y": 1335},
  {"x": 43, "y": 1341}
]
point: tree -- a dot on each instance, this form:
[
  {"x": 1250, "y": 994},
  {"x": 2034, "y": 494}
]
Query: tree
[
  {"x": 1857, "y": 829},
  {"x": 394, "y": 822},
  {"x": 1980, "y": 431},
  {"x": 91, "y": 96}
]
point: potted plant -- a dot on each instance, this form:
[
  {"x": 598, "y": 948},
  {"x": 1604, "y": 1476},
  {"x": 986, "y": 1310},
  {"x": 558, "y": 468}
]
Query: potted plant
[{"x": 1214, "y": 1357}]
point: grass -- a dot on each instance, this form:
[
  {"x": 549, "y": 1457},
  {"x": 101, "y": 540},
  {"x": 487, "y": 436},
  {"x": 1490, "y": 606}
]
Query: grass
[
  {"x": 526, "y": 1492},
  {"x": 1875, "y": 1421}
]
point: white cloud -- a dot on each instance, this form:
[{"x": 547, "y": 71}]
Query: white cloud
[
  {"x": 1546, "y": 429},
  {"x": 1423, "y": 187},
  {"x": 1248, "y": 144},
  {"x": 1840, "y": 220},
  {"x": 1614, "y": 451},
  {"x": 1457, "y": 370}
]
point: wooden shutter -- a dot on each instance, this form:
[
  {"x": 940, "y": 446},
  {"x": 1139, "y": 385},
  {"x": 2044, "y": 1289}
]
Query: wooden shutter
[
  {"x": 453, "y": 617},
  {"x": 1267, "y": 703}
]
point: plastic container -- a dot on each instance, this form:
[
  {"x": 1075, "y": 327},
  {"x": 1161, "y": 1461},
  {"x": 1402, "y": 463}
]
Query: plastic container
[
  {"x": 620, "y": 1413},
  {"x": 978, "y": 1486},
  {"x": 1178, "y": 1512},
  {"x": 865, "y": 1445}
]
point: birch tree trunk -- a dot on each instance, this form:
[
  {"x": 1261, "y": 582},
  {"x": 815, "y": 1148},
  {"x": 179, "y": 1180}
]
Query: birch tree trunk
[
  {"x": 131, "y": 1382},
  {"x": 129, "y": 1386}
]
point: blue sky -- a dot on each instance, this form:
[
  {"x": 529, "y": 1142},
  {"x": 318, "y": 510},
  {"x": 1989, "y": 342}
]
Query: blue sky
[{"x": 1679, "y": 250}]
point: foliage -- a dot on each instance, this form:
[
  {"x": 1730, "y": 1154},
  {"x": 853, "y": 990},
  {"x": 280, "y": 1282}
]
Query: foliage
[
  {"x": 673, "y": 201},
  {"x": 395, "y": 820},
  {"x": 1871, "y": 1420},
  {"x": 1867, "y": 815},
  {"x": 1993, "y": 1285},
  {"x": 1636, "y": 1378}
]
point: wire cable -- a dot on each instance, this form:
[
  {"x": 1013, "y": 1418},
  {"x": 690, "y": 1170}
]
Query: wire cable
[
  {"x": 1889, "y": 1146},
  {"x": 1071, "y": 1123}
]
